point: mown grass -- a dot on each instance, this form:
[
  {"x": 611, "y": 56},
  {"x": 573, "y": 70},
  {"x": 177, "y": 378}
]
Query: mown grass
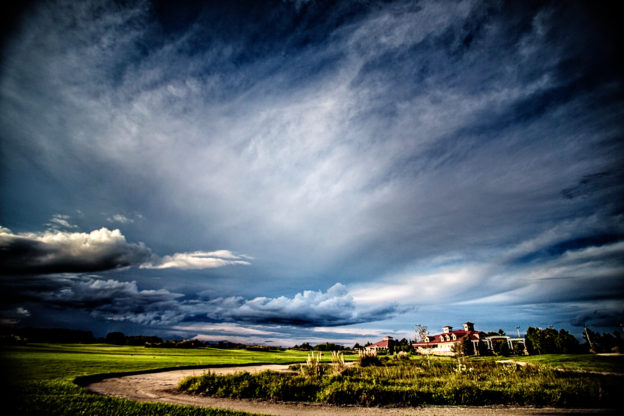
[
  {"x": 38, "y": 379},
  {"x": 586, "y": 362},
  {"x": 422, "y": 382}
]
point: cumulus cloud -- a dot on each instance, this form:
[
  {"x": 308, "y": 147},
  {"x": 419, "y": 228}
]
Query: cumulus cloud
[
  {"x": 198, "y": 260},
  {"x": 105, "y": 299},
  {"x": 123, "y": 301},
  {"x": 14, "y": 315},
  {"x": 103, "y": 249},
  {"x": 68, "y": 252},
  {"x": 309, "y": 308}
]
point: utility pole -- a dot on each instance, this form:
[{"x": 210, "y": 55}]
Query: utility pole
[
  {"x": 518, "y": 329},
  {"x": 591, "y": 347}
]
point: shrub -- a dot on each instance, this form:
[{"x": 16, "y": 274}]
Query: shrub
[
  {"x": 368, "y": 358},
  {"x": 401, "y": 356},
  {"x": 338, "y": 362},
  {"x": 313, "y": 366}
]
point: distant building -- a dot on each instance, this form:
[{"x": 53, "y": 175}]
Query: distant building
[
  {"x": 446, "y": 342},
  {"x": 381, "y": 346}
]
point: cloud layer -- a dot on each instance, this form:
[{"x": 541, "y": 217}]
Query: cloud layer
[
  {"x": 420, "y": 152},
  {"x": 118, "y": 301},
  {"x": 103, "y": 249}
]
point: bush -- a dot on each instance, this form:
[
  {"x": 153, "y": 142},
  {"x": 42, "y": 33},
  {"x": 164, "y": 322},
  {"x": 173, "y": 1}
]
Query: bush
[{"x": 368, "y": 358}]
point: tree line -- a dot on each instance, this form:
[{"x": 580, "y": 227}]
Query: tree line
[{"x": 538, "y": 341}]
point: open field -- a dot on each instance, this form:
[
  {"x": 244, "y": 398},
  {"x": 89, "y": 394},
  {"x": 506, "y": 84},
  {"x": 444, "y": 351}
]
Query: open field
[{"x": 38, "y": 379}]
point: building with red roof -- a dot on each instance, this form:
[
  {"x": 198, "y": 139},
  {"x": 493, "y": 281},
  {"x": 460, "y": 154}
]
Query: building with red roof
[
  {"x": 446, "y": 342},
  {"x": 381, "y": 346}
]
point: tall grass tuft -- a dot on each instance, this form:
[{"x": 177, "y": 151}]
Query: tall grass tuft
[
  {"x": 313, "y": 366},
  {"x": 368, "y": 358},
  {"x": 338, "y": 362}
]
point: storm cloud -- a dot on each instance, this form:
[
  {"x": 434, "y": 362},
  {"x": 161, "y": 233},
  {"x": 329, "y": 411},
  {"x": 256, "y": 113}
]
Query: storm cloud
[
  {"x": 464, "y": 155},
  {"x": 119, "y": 301},
  {"x": 68, "y": 252},
  {"x": 103, "y": 249}
]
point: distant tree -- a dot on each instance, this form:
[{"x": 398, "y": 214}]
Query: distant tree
[
  {"x": 500, "y": 347},
  {"x": 328, "y": 346},
  {"x": 116, "y": 338},
  {"x": 467, "y": 346},
  {"x": 533, "y": 340},
  {"x": 601, "y": 343},
  {"x": 518, "y": 349},
  {"x": 421, "y": 332},
  {"x": 551, "y": 341},
  {"x": 403, "y": 345},
  {"x": 357, "y": 346},
  {"x": 548, "y": 340},
  {"x": 483, "y": 348},
  {"x": 566, "y": 343}
]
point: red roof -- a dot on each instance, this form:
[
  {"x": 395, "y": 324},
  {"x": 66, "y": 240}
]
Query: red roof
[{"x": 380, "y": 344}]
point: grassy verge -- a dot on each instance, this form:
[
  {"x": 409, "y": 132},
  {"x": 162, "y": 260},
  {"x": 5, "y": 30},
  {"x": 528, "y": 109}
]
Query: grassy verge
[
  {"x": 422, "y": 382},
  {"x": 38, "y": 379}
]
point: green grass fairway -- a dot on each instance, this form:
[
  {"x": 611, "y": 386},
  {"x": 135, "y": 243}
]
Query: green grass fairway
[
  {"x": 585, "y": 362},
  {"x": 38, "y": 378}
]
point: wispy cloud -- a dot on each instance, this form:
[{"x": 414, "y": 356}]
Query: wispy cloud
[
  {"x": 120, "y": 219},
  {"x": 198, "y": 260},
  {"x": 60, "y": 221},
  {"x": 557, "y": 267}
]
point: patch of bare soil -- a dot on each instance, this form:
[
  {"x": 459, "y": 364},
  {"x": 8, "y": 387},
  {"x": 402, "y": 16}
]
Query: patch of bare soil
[{"x": 161, "y": 387}]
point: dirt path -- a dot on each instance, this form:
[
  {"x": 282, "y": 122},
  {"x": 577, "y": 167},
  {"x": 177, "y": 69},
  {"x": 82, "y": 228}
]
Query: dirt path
[{"x": 161, "y": 387}]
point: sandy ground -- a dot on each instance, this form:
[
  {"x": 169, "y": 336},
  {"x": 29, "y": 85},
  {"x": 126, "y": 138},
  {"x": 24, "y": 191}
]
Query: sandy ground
[{"x": 161, "y": 387}]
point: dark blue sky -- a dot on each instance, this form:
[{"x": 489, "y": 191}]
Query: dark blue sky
[{"x": 297, "y": 171}]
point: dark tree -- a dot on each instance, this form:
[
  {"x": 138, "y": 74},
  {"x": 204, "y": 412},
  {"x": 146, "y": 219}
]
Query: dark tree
[{"x": 116, "y": 338}]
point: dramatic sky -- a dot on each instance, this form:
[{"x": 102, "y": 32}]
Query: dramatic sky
[{"x": 288, "y": 171}]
